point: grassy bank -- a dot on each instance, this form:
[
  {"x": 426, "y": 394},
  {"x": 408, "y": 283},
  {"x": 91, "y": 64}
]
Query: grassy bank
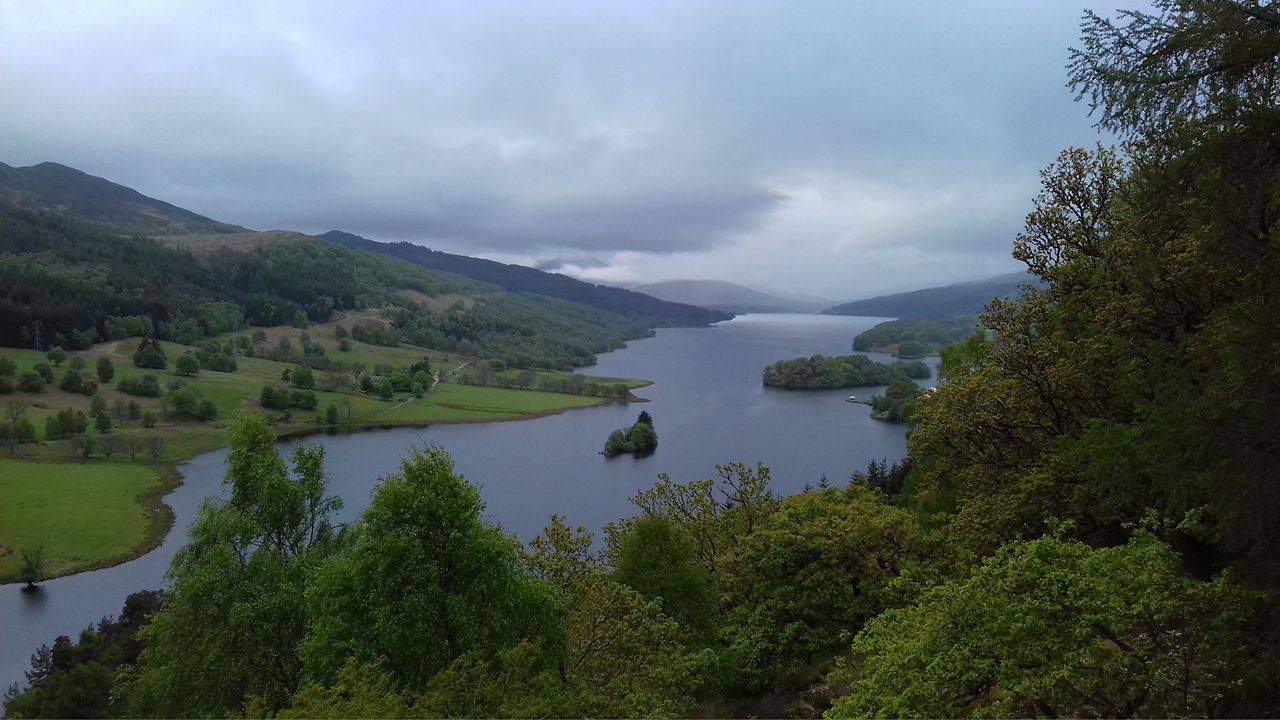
[{"x": 84, "y": 515}]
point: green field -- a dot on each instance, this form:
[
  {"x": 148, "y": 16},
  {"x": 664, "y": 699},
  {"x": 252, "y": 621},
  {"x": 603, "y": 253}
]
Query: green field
[
  {"x": 96, "y": 503},
  {"x": 84, "y": 514}
]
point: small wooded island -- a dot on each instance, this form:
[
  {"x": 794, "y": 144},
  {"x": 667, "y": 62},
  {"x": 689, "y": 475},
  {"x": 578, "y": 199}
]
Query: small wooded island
[
  {"x": 640, "y": 439},
  {"x": 821, "y": 372}
]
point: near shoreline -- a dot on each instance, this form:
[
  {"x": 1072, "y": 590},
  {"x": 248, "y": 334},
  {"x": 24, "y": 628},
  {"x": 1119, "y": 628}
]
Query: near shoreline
[{"x": 161, "y": 517}]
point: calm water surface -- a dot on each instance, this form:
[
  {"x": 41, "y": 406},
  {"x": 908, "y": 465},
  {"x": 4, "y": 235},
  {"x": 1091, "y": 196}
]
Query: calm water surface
[{"x": 708, "y": 407}]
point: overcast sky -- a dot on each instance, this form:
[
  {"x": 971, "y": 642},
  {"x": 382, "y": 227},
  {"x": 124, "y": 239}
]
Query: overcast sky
[{"x": 835, "y": 149}]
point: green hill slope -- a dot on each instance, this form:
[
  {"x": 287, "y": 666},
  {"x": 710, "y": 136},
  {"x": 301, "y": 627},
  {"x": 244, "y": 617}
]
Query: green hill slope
[{"x": 968, "y": 298}]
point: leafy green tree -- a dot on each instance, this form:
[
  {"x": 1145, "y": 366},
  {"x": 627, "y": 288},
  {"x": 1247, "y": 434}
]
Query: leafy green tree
[
  {"x": 716, "y": 513},
  {"x": 657, "y": 558},
  {"x": 56, "y": 355},
  {"x": 965, "y": 356},
  {"x": 1054, "y": 628},
  {"x": 88, "y": 443},
  {"x": 102, "y": 422},
  {"x": 302, "y": 377},
  {"x": 32, "y": 569},
  {"x": 426, "y": 581},
  {"x": 206, "y": 411},
  {"x": 184, "y": 402},
  {"x": 7, "y": 367},
  {"x": 820, "y": 564},
  {"x": 187, "y": 364},
  {"x": 236, "y": 616},
  {"x": 629, "y": 657}
]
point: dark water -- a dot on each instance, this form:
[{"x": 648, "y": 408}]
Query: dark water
[{"x": 708, "y": 407}]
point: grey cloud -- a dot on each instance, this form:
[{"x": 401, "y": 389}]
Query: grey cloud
[{"x": 563, "y": 127}]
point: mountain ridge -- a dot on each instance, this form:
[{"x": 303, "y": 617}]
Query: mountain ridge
[
  {"x": 54, "y": 187},
  {"x": 519, "y": 278},
  {"x": 727, "y": 296},
  {"x": 964, "y": 298}
]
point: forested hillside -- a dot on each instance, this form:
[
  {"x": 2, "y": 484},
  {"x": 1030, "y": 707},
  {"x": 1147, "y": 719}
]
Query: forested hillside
[
  {"x": 1084, "y": 526},
  {"x": 72, "y": 285},
  {"x": 937, "y": 302},
  {"x": 915, "y": 338},
  {"x": 638, "y": 307}
]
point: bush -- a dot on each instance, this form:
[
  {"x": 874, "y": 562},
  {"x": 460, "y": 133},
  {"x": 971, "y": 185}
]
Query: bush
[
  {"x": 71, "y": 381},
  {"x": 30, "y": 382},
  {"x": 303, "y": 377},
  {"x": 144, "y": 386},
  {"x": 106, "y": 370},
  {"x": 44, "y": 371},
  {"x": 285, "y": 398},
  {"x": 56, "y": 355},
  {"x": 207, "y": 411}
]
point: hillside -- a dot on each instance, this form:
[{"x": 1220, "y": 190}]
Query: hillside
[
  {"x": 639, "y": 307},
  {"x": 71, "y": 284},
  {"x": 116, "y": 208},
  {"x": 727, "y": 296},
  {"x": 967, "y": 298}
]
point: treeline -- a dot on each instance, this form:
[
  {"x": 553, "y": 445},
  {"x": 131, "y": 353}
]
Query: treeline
[
  {"x": 496, "y": 374},
  {"x": 819, "y": 372},
  {"x": 915, "y": 338},
  {"x": 524, "y": 330}
]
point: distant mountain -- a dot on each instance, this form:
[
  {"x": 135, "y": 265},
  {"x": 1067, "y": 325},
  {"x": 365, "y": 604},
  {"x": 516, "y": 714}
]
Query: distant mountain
[
  {"x": 115, "y": 208},
  {"x": 637, "y": 306},
  {"x": 968, "y": 298},
  {"x": 728, "y": 297}
]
